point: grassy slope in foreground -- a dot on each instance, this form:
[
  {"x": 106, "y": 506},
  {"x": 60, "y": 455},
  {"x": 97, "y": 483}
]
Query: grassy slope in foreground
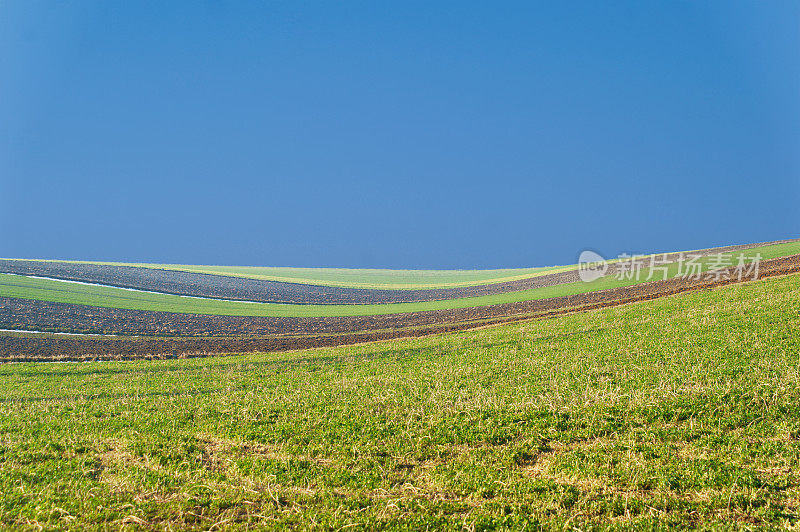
[
  {"x": 64, "y": 292},
  {"x": 683, "y": 411}
]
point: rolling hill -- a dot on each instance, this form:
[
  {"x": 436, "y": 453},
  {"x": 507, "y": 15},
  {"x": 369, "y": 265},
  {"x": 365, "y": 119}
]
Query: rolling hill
[{"x": 677, "y": 412}]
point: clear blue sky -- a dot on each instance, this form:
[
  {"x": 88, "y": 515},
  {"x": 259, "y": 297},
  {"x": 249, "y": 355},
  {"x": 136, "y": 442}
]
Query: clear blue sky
[{"x": 395, "y": 134}]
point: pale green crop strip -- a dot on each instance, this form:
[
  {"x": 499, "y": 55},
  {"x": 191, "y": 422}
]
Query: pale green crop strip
[{"x": 354, "y": 278}]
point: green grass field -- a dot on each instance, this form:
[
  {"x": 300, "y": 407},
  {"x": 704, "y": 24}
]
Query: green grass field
[
  {"x": 678, "y": 412},
  {"x": 64, "y": 292}
]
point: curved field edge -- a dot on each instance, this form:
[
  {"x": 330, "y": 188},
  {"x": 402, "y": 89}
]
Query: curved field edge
[
  {"x": 364, "y": 278},
  {"x": 682, "y": 412},
  {"x": 65, "y": 292}
]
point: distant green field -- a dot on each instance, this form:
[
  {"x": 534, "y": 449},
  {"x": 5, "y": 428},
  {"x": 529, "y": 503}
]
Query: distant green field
[
  {"x": 63, "y": 292},
  {"x": 366, "y": 278},
  {"x": 679, "y": 413}
]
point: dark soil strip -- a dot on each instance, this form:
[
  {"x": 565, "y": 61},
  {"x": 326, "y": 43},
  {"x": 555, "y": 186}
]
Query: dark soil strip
[
  {"x": 19, "y": 314},
  {"x": 241, "y": 289}
]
